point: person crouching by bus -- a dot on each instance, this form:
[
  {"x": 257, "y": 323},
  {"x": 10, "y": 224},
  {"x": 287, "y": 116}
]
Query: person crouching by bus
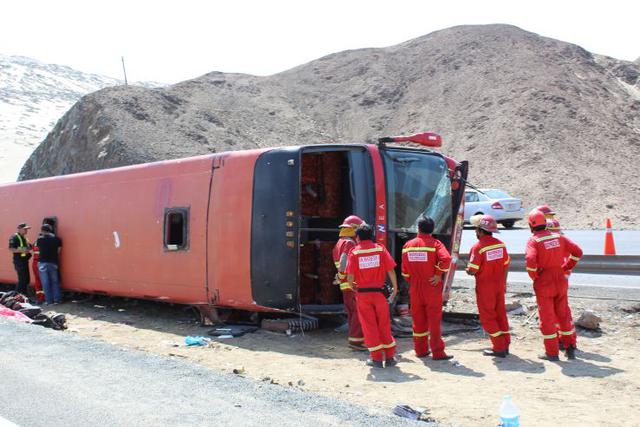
[
  {"x": 21, "y": 248},
  {"x": 489, "y": 264},
  {"x": 49, "y": 246},
  {"x": 367, "y": 265},
  {"x": 549, "y": 258},
  {"x": 424, "y": 261},
  {"x": 346, "y": 242}
]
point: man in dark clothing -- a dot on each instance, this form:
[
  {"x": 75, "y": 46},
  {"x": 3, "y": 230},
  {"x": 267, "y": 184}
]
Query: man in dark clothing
[
  {"x": 21, "y": 248},
  {"x": 49, "y": 246}
]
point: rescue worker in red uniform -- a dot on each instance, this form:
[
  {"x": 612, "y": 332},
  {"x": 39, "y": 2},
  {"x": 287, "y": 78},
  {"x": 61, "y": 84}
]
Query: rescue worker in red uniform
[
  {"x": 549, "y": 258},
  {"x": 37, "y": 284},
  {"x": 489, "y": 264},
  {"x": 367, "y": 265},
  {"x": 341, "y": 250},
  {"x": 424, "y": 261}
]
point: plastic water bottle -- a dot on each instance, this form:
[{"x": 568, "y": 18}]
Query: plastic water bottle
[{"x": 509, "y": 414}]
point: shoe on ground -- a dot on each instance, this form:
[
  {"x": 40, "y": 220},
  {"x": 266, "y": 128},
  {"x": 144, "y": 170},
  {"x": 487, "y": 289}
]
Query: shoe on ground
[
  {"x": 493, "y": 353},
  {"x": 423, "y": 354},
  {"x": 545, "y": 356},
  {"x": 391, "y": 362},
  {"x": 357, "y": 347},
  {"x": 443, "y": 357},
  {"x": 570, "y": 352},
  {"x": 507, "y": 351},
  {"x": 374, "y": 363}
]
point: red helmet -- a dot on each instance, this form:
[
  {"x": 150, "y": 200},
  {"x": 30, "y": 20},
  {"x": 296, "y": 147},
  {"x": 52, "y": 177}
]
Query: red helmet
[
  {"x": 536, "y": 218},
  {"x": 546, "y": 210},
  {"x": 352, "y": 221},
  {"x": 553, "y": 224},
  {"x": 487, "y": 223}
]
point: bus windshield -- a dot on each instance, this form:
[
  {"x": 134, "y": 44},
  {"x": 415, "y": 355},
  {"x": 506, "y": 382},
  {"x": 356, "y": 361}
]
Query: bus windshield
[{"x": 417, "y": 183}]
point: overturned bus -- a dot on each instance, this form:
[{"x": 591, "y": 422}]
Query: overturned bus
[{"x": 250, "y": 230}]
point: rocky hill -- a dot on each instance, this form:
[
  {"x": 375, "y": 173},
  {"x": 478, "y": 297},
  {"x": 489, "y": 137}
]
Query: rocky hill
[{"x": 544, "y": 119}]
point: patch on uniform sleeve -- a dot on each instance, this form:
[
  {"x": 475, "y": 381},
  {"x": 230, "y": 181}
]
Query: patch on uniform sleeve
[
  {"x": 418, "y": 257},
  {"x": 551, "y": 244},
  {"x": 495, "y": 254},
  {"x": 372, "y": 261}
]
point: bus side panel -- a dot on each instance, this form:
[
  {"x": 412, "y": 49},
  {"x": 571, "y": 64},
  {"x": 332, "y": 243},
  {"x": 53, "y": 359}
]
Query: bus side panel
[
  {"x": 112, "y": 226},
  {"x": 230, "y": 219},
  {"x": 274, "y": 236}
]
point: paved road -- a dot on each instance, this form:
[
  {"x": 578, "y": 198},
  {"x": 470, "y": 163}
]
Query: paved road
[
  {"x": 50, "y": 378},
  {"x": 592, "y": 241}
]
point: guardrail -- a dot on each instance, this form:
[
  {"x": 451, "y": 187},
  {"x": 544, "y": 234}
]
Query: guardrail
[{"x": 592, "y": 264}]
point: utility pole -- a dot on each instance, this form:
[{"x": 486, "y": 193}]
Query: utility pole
[{"x": 124, "y": 70}]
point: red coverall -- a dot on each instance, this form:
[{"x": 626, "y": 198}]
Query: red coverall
[
  {"x": 550, "y": 257},
  {"x": 37, "y": 284},
  {"x": 340, "y": 255},
  {"x": 489, "y": 262},
  {"x": 423, "y": 258},
  {"x": 369, "y": 262}
]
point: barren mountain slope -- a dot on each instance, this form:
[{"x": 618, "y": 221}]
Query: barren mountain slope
[{"x": 543, "y": 119}]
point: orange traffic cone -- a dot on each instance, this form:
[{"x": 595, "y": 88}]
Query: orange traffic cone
[{"x": 609, "y": 246}]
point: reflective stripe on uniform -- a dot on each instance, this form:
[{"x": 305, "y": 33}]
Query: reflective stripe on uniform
[
  {"x": 376, "y": 348},
  {"x": 496, "y": 334},
  {"x": 549, "y": 237},
  {"x": 419, "y": 249},
  {"x": 488, "y": 248},
  {"x": 354, "y": 339},
  {"x": 508, "y": 261},
  {"x": 345, "y": 286},
  {"x": 471, "y": 265},
  {"x": 550, "y": 336},
  {"x": 571, "y": 332},
  {"x": 367, "y": 251},
  {"x": 337, "y": 264},
  {"x": 575, "y": 258},
  {"x": 393, "y": 344},
  {"x": 23, "y": 244},
  {"x": 420, "y": 334},
  {"x": 531, "y": 269},
  {"x": 342, "y": 276},
  {"x": 442, "y": 269}
]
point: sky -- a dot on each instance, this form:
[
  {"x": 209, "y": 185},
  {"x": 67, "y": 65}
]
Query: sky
[{"x": 171, "y": 41}]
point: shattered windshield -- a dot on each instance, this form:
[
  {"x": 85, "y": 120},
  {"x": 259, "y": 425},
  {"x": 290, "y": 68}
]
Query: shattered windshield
[{"x": 417, "y": 184}]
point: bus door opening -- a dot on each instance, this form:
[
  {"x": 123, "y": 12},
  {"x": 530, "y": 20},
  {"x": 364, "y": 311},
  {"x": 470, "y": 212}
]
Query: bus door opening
[{"x": 334, "y": 183}]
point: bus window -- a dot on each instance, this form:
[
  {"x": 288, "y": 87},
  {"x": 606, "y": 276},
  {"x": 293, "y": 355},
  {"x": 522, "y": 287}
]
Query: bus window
[{"x": 176, "y": 229}]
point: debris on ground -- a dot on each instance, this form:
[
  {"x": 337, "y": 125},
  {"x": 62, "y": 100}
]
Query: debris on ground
[
  {"x": 589, "y": 320},
  {"x": 231, "y": 331},
  {"x": 635, "y": 308},
  {"x": 290, "y": 325},
  {"x": 516, "y": 308},
  {"x": 196, "y": 340},
  {"x": 239, "y": 371},
  {"x": 406, "y": 411}
]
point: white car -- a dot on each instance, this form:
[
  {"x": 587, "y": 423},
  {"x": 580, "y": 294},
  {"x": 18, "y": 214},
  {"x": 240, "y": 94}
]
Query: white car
[{"x": 497, "y": 203}]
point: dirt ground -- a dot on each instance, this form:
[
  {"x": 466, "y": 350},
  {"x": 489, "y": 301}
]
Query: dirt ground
[{"x": 600, "y": 388}]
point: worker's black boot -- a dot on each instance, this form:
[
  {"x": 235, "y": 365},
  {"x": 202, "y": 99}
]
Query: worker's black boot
[
  {"x": 374, "y": 363},
  {"x": 423, "y": 355},
  {"x": 548, "y": 357},
  {"x": 493, "y": 353},
  {"x": 570, "y": 352},
  {"x": 391, "y": 362},
  {"x": 443, "y": 357}
]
